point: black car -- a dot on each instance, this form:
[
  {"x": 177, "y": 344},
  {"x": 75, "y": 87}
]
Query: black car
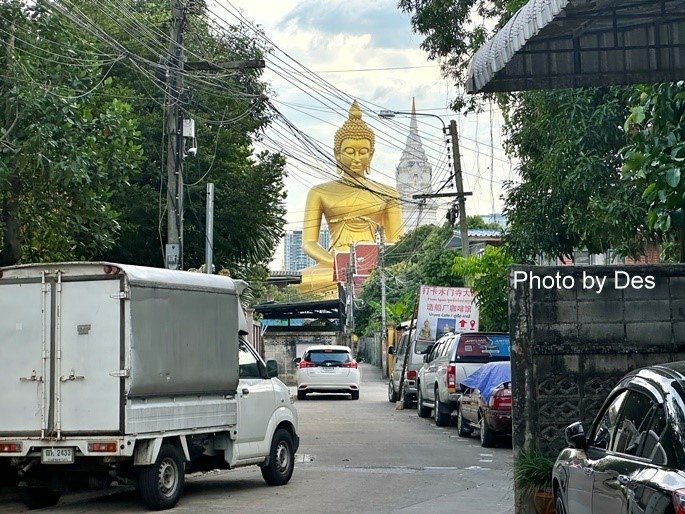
[{"x": 633, "y": 460}]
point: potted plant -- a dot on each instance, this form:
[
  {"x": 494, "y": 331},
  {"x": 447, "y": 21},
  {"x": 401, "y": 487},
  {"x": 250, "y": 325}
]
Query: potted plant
[{"x": 533, "y": 474}]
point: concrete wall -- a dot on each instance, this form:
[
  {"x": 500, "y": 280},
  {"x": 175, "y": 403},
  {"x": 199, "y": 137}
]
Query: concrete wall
[
  {"x": 571, "y": 345},
  {"x": 284, "y": 347}
]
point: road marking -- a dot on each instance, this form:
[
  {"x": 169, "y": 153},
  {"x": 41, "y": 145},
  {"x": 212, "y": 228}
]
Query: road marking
[
  {"x": 486, "y": 454},
  {"x": 485, "y": 460}
]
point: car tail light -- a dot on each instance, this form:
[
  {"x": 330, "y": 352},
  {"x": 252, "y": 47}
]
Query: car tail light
[
  {"x": 411, "y": 375},
  {"x": 306, "y": 364},
  {"x": 350, "y": 364},
  {"x": 111, "y": 270},
  {"x": 452, "y": 378},
  {"x": 10, "y": 447},
  {"x": 679, "y": 501},
  {"x": 501, "y": 399},
  {"x": 109, "y": 447}
]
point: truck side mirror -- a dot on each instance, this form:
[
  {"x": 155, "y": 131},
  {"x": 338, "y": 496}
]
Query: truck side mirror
[
  {"x": 297, "y": 360},
  {"x": 391, "y": 350},
  {"x": 271, "y": 368}
]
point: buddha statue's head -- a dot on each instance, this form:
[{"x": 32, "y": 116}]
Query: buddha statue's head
[{"x": 353, "y": 144}]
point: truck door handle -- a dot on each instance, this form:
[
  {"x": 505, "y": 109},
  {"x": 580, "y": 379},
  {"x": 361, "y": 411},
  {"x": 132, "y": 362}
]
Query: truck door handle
[
  {"x": 33, "y": 378},
  {"x": 71, "y": 376},
  {"x": 246, "y": 391}
]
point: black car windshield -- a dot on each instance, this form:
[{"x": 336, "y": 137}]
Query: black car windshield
[{"x": 321, "y": 356}]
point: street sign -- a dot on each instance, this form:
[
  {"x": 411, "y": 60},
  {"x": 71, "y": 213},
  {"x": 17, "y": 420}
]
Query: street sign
[{"x": 445, "y": 309}]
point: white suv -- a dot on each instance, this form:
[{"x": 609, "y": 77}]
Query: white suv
[{"x": 327, "y": 369}]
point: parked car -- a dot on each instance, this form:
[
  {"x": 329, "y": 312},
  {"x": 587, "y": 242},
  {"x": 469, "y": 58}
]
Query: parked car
[
  {"x": 327, "y": 369},
  {"x": 485, "y": 404},
  {"x": 417, "y": 349},
  {"x": 633, "y": 460},
  {"x": 452, "y": 359}
]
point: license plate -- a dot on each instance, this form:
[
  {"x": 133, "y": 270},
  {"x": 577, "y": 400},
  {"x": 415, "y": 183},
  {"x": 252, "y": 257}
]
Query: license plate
[
  {"x": 328, "y": 370},
  {"x": 57, "y": 456}
]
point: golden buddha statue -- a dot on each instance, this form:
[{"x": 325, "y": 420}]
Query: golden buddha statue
[{"x": 352, "y": 206}]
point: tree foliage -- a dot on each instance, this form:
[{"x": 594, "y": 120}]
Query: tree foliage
[
  {"x": 571, "y": 195},
  {"x": 486, "y": 275},
  {"x": 63, "y": 154},
  {"x": 655, "y": 154}
]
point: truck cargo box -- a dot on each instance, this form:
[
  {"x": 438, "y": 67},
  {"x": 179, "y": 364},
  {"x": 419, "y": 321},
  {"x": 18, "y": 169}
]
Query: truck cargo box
[{"x": 82, "y": 344}]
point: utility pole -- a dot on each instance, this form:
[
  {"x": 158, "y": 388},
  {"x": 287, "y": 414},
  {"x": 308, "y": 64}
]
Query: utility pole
[
  {"x": 351, "y": 270},
  {"x": 460, "y": 189},
  {"x": 381, "y": 270},
  {"x": 209, "y": 223},
  {"x": 174, "y": 127}
]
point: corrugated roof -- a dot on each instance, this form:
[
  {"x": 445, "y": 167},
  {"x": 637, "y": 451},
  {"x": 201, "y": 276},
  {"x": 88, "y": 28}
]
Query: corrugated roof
[{"x": 551, "y": 44}]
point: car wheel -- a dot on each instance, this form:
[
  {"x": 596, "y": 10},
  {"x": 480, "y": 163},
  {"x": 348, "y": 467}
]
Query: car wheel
[
  {"x": 421, "y": 409},
  {"x": 440, "y": 414},
  {"x": 355, "y": 395},
  {"x": 301, "y": 395},
  {"x": 161, "y": 484},
  {"x": 559, "y": 507},
  {"x": 463, "y": 428},
  {"x": 38, "y": 497},
  {"x": 487, "y": 436},
  {"x": 392, "y": 395},
  {"x": 281, "y": 459}
]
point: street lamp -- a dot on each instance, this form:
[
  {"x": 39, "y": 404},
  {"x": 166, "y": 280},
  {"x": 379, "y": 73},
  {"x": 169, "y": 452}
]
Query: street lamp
[{"x": 456, "y": 162}]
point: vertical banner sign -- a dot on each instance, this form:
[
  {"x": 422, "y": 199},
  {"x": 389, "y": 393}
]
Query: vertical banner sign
[{"x": 445, "y": 309}]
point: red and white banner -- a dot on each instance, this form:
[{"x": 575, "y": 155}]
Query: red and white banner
[{"x": 445, "y": 309}]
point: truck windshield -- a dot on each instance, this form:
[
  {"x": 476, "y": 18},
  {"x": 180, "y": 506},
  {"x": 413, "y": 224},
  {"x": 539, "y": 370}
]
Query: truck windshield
[{"x": 482, "y": 348}]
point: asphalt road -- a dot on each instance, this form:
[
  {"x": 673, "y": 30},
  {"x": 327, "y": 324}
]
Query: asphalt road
[{"x": 359, "y": 456}]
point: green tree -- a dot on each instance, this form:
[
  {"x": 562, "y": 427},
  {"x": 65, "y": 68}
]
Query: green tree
[
  {"x": 228, "y": 111},
  {"x": 486, "y": 275},
  {"x": 63, "y": 153},
  {"x": 655, "y": 157}
]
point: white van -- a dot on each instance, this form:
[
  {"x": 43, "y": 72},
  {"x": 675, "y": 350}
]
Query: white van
[{"x": 417, "y": 349}]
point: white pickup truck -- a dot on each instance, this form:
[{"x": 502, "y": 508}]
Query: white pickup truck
[{"x": 111, "y": 372}]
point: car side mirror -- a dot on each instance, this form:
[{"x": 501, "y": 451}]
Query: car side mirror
[
  {"x": 391, "y": 350},
  {"x": 271, "y": 368},
  {"x": 575, "y": 435},
  {"x": 297, "y": 360},
  {"x": 425, "y": 357}
]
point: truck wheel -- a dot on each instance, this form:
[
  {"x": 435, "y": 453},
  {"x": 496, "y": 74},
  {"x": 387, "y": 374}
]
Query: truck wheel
[
  {"x": 441, "y": 416},
  {"x": 281, "y": 459},
  {"x": 421, "y": 409},
  {"x": 161, "y": 484},
  {"x": 38, "y": 497},
  {"x": 392, "y": 395},
  {"x": 487, "y": 436},
  {"x": 463, "y": 429},
  {"x": 301, "y": 395},
  {"x": 407, "y": 400}
]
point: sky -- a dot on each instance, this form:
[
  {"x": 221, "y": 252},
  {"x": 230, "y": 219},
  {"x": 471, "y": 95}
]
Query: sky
[{"x": 327, "y": 53}]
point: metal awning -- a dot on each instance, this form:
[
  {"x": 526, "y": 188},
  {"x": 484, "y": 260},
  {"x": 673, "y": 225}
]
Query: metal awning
[{"x": 551, "y": 44}]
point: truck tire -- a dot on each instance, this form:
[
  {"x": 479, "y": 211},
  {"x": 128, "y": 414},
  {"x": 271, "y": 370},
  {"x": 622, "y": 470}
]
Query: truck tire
[
  {"x": 407, "y": 400},
  {"x": 421, "y": 409},
  {"x": 38, "y": 497},
  {"x": 161, "y": 485},
  {"x": 392, "y": 395},
  {"x": 487, "y": 436},
  {"x": 281, "y": 459},
  {"x": 440, "y": 414}
]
